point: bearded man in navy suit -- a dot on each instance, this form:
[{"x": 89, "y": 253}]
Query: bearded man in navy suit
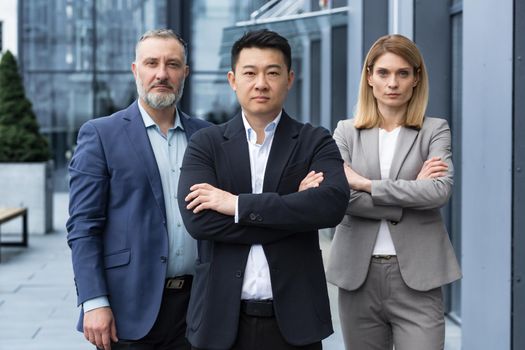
[{"x": 132, "y": 257}]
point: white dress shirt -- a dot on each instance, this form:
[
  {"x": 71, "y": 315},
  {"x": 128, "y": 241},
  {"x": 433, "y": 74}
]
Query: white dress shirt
[
  {"x": 257, "y": 283},
  {"x": 387, "y": 145}
]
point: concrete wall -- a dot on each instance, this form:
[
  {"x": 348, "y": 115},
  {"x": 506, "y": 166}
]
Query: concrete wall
[
  {"x": 486, "y": 178},
  {"x": 28, "y": 185},
  {"x": 9, "y": 19}
]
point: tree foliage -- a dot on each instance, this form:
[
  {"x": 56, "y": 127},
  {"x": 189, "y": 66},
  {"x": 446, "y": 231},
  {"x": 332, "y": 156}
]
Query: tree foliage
[{"x": 20, "y": 139}]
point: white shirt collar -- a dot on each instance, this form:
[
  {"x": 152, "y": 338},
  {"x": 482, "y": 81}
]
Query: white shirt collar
[{"x": 269, "y": 129}]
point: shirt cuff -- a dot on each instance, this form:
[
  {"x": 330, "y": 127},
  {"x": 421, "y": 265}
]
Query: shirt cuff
[
  {"x": 95, "y": 303},
  {"x": 237, "y": 210}
]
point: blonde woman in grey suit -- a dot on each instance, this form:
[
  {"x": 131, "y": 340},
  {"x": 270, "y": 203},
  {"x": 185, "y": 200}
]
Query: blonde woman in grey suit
[{"x": 391, "y": 253}]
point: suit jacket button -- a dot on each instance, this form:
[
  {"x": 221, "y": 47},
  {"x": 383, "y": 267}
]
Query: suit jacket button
[
  {"x": 259, "y": 218},
  {"x": 394, "y": 222},
  {"x": 253, "y": 216},
  {"x": 163, "y": 259},
  {"x": 238, "y": 273}
]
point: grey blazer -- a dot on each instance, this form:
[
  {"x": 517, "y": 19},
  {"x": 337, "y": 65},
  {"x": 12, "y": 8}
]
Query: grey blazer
[{"x": 411, "y": 207}]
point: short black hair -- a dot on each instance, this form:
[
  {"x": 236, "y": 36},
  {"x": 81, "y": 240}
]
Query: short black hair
[{"x": 262, "y": 39}]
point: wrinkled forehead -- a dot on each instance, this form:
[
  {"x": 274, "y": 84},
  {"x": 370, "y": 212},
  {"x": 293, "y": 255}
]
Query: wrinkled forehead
[{"x": 159, "y": 46}]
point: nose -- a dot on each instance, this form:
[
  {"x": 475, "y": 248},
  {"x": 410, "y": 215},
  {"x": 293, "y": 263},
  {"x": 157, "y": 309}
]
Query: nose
[
  {"x": 260, "y": 82},
  {"x": 392, "y": 81},
  {"x": 161, "y": 73}
]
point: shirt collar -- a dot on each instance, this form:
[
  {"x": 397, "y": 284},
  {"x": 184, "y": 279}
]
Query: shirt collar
[
  {"x": 149, "y": 122},
  {"x": 269, "y": 129}
]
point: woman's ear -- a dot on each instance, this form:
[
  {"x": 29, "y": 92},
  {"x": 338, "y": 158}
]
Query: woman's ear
[
  {"x": 369, "y": 76},
  {"x": 416, "y": 77}
]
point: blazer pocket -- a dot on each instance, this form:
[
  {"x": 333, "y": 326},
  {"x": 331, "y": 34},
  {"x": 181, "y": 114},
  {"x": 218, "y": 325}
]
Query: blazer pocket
[{"x": 117, "y": 259}]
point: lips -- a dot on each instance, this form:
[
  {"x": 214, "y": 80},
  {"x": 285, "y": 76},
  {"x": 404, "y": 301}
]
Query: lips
[
  {"x": 162, "y": 86},
  {"x": 260, "y": 98}
]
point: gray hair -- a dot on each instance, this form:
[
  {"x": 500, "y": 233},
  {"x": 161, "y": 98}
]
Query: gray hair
[{"x": 163, "y": 33}]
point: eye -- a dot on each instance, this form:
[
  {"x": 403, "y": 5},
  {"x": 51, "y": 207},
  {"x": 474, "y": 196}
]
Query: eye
[
  {"x": 174, "y": 65},
  {"x": 404, "y": 73},
  {"x": 150, "y": 63},
  {"x": 274, "y": 73},
  {"x": 249, "y": 73},
  {"x": 382, "y": 72}
]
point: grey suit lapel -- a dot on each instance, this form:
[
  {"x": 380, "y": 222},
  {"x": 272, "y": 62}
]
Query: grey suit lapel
[
  {"x": 405, "y": 140},
  {"x": 370, "y": 149}
]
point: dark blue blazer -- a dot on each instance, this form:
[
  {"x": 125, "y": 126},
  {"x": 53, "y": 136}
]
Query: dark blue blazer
[
  {"x": 117, "y": 225},
  {"x": 283, "y": 220}
]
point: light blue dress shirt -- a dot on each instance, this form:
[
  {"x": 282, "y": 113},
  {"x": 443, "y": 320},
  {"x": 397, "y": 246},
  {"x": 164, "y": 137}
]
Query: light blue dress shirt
[{"x": 169, "y": 151}]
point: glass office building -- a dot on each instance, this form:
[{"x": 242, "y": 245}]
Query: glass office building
[{"x": 76, "y": 55}]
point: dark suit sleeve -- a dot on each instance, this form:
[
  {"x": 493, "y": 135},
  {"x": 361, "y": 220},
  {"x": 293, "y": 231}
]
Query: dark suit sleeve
[
  {"x": 89, "y": 185},
  {"x": 308, "y": 210},
  {"x": 198, "y": 166},
  {"x": 266, "y": 217}
]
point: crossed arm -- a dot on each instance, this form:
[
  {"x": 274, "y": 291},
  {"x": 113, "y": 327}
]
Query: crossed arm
[
  {"x": 386, "y": 198},
  {"x": 208, "y": 206},
  {"x": 204, "y": 196}
]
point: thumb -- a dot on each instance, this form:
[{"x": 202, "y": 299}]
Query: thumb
[{"x": 113, "y": 331}]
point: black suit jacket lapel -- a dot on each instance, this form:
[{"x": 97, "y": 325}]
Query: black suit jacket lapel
[
  {"x": 237, "y": 153},
  {"x": 138, "y": 138},
  {"x": 284, "y": 142}
]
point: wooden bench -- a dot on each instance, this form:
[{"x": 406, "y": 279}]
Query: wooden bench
[{"x": 8, "y": 214}]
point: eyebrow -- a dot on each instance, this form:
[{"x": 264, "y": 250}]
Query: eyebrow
[
  {"x": 266, "y": 67},
  {"x": 402, "y": 68}
]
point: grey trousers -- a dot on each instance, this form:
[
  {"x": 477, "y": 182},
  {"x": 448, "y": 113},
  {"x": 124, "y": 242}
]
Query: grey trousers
[{"x": 384, "y": 312}]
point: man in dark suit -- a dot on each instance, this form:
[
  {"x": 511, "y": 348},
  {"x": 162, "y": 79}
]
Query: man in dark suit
[
  {"x": 259, "y": 281},
  {"x": 132, "y": 258}
]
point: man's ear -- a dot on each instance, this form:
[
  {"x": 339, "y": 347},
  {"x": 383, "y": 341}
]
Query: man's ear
[
  {"x": 291, "y": 78},
  {"x": 231, "y": 80},
  {"x": 186, "y": 71},
  {"x": 134, "y": 69}
]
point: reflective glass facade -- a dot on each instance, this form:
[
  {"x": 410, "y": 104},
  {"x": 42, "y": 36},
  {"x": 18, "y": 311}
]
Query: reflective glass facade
[
  {"x": 210, "y": 95},
  {"x": 76, "y": 57}
]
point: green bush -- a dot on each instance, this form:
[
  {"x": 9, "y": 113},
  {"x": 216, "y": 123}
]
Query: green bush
[{"x": 20, "y": 139}]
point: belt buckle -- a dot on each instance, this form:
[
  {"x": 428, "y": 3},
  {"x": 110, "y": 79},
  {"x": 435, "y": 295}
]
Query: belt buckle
[
  {"x": 175, "y": 283},
  {"x": 386, "y": 257}
]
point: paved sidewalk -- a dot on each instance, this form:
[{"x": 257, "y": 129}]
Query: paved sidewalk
[{"x": 37, "y": 295}]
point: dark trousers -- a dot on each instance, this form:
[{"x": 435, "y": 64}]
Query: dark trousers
[
  {"x": 262, "y": 333},
  {"x": 169, "y": 330}
]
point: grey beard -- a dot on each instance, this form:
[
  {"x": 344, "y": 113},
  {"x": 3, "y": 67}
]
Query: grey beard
[{"x": 159, "y": 101}]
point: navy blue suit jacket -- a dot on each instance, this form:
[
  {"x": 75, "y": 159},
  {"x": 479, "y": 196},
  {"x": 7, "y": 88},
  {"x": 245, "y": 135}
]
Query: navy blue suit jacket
[
  {"x": 117, "y": 225},
  {"x": 283, "y": 220}
]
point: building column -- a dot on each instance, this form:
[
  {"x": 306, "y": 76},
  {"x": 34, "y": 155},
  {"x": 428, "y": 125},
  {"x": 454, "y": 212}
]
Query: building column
[{"x": 486, "y": 174}]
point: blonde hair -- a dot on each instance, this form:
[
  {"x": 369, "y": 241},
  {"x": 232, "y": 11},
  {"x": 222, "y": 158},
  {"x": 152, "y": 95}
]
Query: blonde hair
[{"x": 367, "y": 113}]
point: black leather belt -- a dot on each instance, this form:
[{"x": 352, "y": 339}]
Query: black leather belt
[
  {"x": 257, "y": 308},
  {"x": 179, "y": 282},
  {"x": 383, "y": 257}
]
